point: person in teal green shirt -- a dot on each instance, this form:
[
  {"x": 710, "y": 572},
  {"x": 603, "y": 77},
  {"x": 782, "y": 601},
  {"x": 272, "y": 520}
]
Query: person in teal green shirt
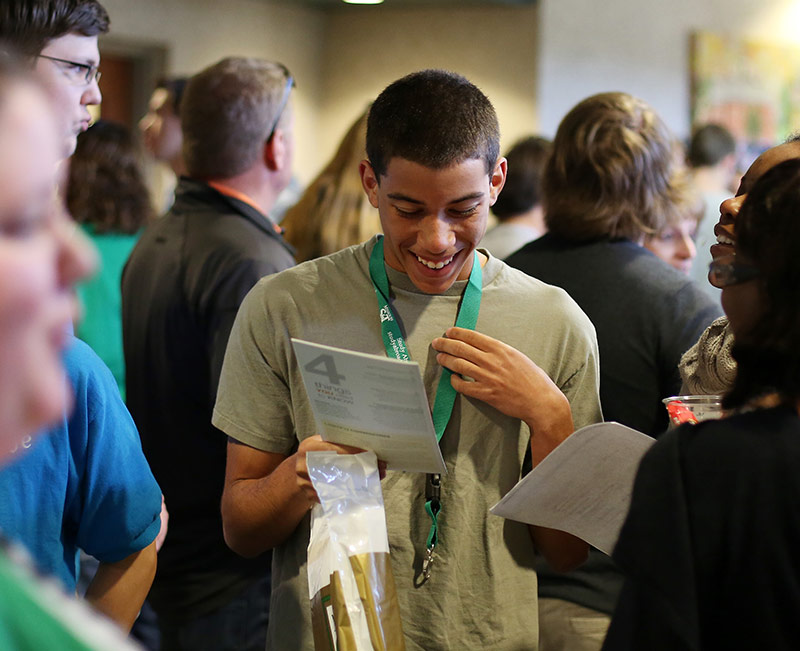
[{"x": 107, "y": 194}]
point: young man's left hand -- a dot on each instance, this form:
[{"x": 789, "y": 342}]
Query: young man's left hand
[
  {"x": 510, "y": 382},
  {"x": 503, "y": 377}
]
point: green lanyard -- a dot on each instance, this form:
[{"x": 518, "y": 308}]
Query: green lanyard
[{"x": 395, "y": 345}]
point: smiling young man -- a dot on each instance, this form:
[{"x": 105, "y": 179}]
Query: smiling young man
[{"x": 433, "y": 171}]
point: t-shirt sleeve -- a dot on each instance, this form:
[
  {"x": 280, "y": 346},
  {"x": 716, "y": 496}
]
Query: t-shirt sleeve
[
  {"x": 254, "y": 403},
  {"x": 119, "y": 503},
  {"x": 582, "y": 384}
]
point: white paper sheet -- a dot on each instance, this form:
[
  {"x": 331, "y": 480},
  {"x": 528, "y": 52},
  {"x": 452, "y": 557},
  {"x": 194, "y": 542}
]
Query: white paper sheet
[
  {"x": 371, "y": 402},
  {"x": 583, "y": 487}
]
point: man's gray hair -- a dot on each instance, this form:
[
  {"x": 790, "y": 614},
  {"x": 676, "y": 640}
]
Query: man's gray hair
[{"x": 227, "y": 111}]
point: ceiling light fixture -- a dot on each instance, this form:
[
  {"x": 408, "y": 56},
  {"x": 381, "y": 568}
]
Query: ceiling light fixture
[{"x": 363, "y": 2}]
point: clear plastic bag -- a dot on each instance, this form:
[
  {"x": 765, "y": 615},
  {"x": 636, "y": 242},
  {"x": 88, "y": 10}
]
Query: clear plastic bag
[{"x": 351, "y": 586}]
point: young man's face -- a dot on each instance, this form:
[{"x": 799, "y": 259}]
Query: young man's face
[
  {"x": 433, "y": 219},
  {"x": 67, "y": 86}
]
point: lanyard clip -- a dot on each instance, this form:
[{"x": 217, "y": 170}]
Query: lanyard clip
[
  {"x": 433, "y": 487},
  {"x": 427, "y": 562}
]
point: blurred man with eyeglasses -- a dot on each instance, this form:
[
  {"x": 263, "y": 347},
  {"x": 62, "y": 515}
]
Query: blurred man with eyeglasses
[
  {"x": 60, "y": 39},
  {"x": 181, "y": 290},
  {"x": 85, "y": 485}
]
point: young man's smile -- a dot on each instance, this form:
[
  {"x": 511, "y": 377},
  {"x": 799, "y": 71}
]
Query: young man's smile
[{"x": 433, "y": 219}]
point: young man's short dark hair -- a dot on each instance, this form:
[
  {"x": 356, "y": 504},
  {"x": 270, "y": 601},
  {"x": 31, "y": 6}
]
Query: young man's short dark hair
[
  {"x": 709, "y": 145},
  {"x": 523, "y": 189},
  {"x": 451, "y": 121},
  {"x": 28, "y": 25}
]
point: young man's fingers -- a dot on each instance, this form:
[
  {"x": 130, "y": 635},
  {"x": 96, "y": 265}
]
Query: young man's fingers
[
  {"x": 459, "y": 365},
  {"x": 475, "y": 339},
  {"x": 458, "y": 349},
  {"x": 310, "y": 493},
  {"x": 467, "y": 387}
]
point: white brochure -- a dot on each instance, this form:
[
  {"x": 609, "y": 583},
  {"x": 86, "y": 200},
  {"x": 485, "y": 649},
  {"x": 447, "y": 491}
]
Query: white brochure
[
  {"x": 583, "y": 487},
  {"x": 371, "y": 402}
]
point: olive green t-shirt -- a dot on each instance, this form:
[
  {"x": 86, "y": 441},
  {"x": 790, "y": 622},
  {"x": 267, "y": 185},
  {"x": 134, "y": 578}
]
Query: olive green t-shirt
[{"x": 482, "y": 591}]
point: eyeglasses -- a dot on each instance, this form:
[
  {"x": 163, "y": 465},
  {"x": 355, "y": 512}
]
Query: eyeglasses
[
  {"x": 79, "y": 71},
  {"x": 727, "y": 271},
  {"x": 284, "y": 100}
]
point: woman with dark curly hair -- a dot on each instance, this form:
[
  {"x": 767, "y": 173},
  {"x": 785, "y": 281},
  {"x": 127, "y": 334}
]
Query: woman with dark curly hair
[
  {"x": 108, "y": 196},
  {"x": 710, "y": 543}
]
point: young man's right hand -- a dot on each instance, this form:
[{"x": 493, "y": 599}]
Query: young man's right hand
[{"x": 316, "y": 444}]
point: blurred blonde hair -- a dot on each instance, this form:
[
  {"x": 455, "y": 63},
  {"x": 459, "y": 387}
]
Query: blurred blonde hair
[
  {"x": 689, "y": 204},
  {"x": 689, "y": 207},
  {"x": 614, "y": 172},
  {"x": 334, "y": 211}
]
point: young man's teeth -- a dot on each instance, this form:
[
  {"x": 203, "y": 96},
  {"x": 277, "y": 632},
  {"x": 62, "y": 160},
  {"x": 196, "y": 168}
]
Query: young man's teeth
[
  {"x": 724, "y": 239},
  {"x": 435, "y": 265}
]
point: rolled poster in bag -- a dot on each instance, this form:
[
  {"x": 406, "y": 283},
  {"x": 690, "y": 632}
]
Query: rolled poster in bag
[{"x": 351, "y": 586}]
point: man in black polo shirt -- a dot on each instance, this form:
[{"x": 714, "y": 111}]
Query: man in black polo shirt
[{"x": 181, "y": 290}]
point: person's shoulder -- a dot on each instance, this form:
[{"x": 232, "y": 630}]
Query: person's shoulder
[
  {"x": 664, "y": 289},
  {"x": 750, "y": 429},
  {"x": 737, "y": 447},
  {"x": 218, "y": 244},
  {"x": 578, "y": 263},
  {"x": 334, "y": 273},
  {"x": 332, "y": 269},
  {"x": 530, "y": 252},
  {"x": 204, "y": 217},
  {"x": 87, "y": 373},
  {"x": 151, "y": 241},
  {"x": 504, "y": 239},
  {"x": 79, "y": 358},
  {"x": 651, "y": 271},
  {"x": 515, "y": 280},
  {"x": 531, "y": 294}
]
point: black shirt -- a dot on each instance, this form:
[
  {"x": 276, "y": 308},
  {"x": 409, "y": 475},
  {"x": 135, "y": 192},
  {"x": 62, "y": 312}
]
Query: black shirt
[
  {"x": 181, "y": 289},
  {"x": 646, "y": 315},
  {"x": 709, "y": 547}
]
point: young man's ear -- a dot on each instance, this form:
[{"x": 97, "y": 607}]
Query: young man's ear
[
  {"x": 498, "y": 179},
  {"x": 369, "y": 181}
]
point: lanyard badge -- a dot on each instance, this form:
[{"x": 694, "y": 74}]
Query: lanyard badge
[{"x": 395, "y": 344}]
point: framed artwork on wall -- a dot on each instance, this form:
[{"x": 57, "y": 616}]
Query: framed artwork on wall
[{"x": 750, "y": 87}]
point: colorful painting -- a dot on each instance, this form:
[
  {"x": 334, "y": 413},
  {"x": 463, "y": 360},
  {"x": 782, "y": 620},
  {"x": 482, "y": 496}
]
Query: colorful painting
[{"x": 752, "y": 88}]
